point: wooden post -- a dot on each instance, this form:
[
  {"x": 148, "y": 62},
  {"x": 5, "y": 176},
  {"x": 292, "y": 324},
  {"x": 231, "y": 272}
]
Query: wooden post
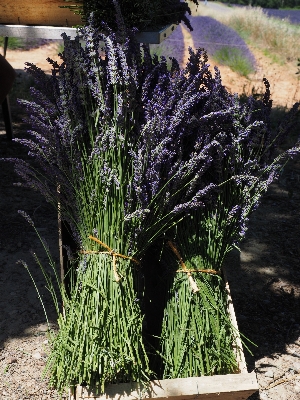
[{"x": 5, "y": 105}]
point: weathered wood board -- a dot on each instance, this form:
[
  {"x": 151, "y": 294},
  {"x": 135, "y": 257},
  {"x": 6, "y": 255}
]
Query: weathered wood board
[
  {"x": 218, "y": 387},
  {"x": 37, "y": 12}
]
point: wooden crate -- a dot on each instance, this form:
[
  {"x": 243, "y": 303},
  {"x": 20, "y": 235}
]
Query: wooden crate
[
  {"x": 218, "y": 387},
  {"x": 37, "y": 12}
]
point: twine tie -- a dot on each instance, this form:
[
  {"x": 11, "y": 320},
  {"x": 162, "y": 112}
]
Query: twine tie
[
  {"x": 187, "y": 271},
  {"x": 110, "y": 252}
]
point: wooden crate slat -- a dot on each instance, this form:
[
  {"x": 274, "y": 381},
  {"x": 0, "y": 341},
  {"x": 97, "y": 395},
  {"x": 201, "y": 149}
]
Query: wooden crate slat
[
  {"x": 37, "y": 12},
  {"x": 37, "y": 32},
  {"x": 55, "y": 32},
  {"x": 225, "y": 387},
  {"x": 239, "y": 347}
]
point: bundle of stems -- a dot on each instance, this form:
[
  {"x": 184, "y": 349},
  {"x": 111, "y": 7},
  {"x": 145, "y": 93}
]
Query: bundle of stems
[
  {"x": 100, "y": 135},
  {"x": 134, "y": 147},
  {"x": 197, "y": 336},
  {"x": 99, "y": 338}
]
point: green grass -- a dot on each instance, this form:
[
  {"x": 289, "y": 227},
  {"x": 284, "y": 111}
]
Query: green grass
[
  {"x": 289, "y": 8},
  {"x": 276, "y": 59},
  {"x": 233, "y": 58},
  {"x": 13, "y": 43},
  {"x": 60, "y": 48}
]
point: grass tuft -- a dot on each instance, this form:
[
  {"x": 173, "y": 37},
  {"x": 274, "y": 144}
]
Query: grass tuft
[
  {"x": 273, "y": 57},
  {"x": 13, "y": 43},
  {"x": 233, "y": 58}
]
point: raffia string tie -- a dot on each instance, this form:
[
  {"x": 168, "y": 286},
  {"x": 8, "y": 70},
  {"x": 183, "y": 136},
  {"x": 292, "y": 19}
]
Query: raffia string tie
[
  {"x": 189, "y": 271},
  {"x": 204, "y": 271},
  {"x": 110, "y": 252},
  {"x": 193, "y": 284}
]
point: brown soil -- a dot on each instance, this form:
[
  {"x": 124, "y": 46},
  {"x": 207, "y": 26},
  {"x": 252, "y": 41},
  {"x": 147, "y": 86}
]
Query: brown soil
[
  {"x": 264, "y": 277},
  {"x": 18, "y": 58}
]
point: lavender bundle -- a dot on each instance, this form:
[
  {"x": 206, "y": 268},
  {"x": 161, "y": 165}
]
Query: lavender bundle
[
  {"x": 197, "y": 336},
  {"x": 81, "y": 144},
  {"x": 127, "y": 147},
  {"x": 110, "y": 133}
]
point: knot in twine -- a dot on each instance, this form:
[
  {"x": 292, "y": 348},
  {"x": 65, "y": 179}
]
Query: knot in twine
[
  {"x": 110, "y": 252},
  {"x": 187, "y": 271}
]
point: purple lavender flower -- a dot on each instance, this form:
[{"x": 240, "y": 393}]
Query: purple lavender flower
[
  {"x": 187, "y": 133},
  {"x": 27, "y": 217},
  {"x": 128, "y": 146}
]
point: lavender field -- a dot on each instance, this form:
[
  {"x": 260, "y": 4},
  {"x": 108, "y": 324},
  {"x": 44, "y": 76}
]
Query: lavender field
[
  {"x": 293, "y": 16},
  {"x": 210, "y": 34}
]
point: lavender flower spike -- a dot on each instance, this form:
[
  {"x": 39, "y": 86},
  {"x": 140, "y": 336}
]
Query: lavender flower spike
[{"x": 27, "y": 217}]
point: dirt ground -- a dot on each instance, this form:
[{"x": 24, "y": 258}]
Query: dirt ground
[{"x": 264, "y": 278}]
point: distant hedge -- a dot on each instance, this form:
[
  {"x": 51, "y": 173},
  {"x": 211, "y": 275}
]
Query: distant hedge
[{"x": 266, "y": 3}]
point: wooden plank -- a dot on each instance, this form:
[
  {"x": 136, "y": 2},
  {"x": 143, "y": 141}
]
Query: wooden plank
[
  {"x": 55, "y": 32},
  {"x": 37, "y": 12},
  {"x": 36, "y": 32},
  {"x": 239, "y": 347},
  {"x": 226, "y": 387}
]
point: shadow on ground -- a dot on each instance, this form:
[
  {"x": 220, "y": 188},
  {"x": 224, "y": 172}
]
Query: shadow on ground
[{"x": 265, "y": 277}]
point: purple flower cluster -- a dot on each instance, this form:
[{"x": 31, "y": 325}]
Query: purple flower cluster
[{"x": 187, "y": 136}]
